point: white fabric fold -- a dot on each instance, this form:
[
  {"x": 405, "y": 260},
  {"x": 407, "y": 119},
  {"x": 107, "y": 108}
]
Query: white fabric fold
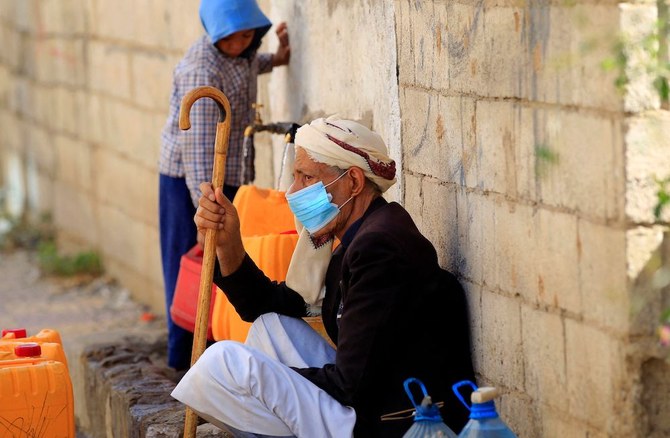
[{"x": 344, "y": 143}]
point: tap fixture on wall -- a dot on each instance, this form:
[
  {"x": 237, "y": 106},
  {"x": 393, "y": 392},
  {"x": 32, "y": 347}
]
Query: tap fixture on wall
[{"x": 287, "y": 129}]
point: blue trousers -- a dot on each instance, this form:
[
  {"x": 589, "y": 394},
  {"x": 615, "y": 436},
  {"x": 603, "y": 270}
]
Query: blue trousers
[{"x": 177, "y": 236}]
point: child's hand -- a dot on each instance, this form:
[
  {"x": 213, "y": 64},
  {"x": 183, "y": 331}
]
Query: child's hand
[{"x": 283, "y": 54}]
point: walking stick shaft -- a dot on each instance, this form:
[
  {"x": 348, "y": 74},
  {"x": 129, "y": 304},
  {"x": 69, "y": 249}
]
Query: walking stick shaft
[{"x": 209, "y": 257}]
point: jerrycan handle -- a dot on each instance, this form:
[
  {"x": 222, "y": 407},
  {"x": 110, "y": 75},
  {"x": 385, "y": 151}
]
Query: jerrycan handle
[
  {"x": 456, "y": 388},
  {"x": 409, "y": 392}
]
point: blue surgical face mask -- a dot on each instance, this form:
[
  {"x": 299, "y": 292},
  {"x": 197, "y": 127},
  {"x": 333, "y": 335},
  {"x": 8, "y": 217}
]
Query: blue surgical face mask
[{"x": 312, "y": 206}]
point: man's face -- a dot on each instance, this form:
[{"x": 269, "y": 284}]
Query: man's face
[
  {"x": 307, "y": 172},
  {"x": 234, "y": 44}
]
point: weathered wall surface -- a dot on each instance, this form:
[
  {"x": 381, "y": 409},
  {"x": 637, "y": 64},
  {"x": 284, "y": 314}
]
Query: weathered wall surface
[
  {"x": 528, "y": 169},
  {"x": 534, "y": 175}
]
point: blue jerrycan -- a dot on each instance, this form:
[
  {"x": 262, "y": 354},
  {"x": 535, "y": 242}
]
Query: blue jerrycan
[
  {"x": 484, "y": 420},
  {"x": 427, "y": 419}
]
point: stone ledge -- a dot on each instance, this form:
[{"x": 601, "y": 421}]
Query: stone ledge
[{"x": 127, "y": 392}]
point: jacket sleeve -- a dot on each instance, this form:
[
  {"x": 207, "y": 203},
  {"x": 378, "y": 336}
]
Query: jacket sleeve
[
  {"x": 377, "y": 277},
  {"x": 253, "y": 294}
]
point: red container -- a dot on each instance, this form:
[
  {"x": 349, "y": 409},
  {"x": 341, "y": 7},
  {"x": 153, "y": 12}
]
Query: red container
[{"x": 185, "y": 301}]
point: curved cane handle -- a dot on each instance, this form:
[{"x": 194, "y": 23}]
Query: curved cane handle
[{"x": 189, "y": 99}]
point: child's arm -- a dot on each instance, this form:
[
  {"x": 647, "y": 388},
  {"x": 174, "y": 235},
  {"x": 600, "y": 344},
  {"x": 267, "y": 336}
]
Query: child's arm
[{"x": 283, "y": 53}]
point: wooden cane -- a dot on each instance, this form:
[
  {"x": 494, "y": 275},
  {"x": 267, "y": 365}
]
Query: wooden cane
[{"x": 209, "y": 257}]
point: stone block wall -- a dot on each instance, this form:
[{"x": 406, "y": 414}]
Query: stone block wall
[
  {"x": 519, "y": 158},
  {"x": 533, "y": 175}
]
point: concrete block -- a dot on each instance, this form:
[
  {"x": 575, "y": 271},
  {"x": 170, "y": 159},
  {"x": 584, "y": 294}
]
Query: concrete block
[
  {"x": 147, "y": 151},
  {"x": 439, "y": 140},
  {"x": 566, "y": 46},
  {"x": 76, "y": 213},
  {"x": 647, "y": 160},
  {"x": 40, "y": 195},
  {"x": 579, "y": 160},
  {"x": 122, "y": 128},
  {"x": 595, "y": 373},
  {"x": 557, "y": 260},
  {"x": 476, "y": 233},
  {"x": 24, "y": 14},
  {"x": 558, "y": 423},
  {"x": 413, "y": 201},
  {"x": 7, "y": 11},
  {"x": 637, "y": 22},
  {"x": 404, "y": 28},
  {"x": 440, "y": 222},
  {"x": 603, "y": 276},
  {"x": 11, "y": 54},
  {"x": 61, "y": 17},
  {"x": 504, "y": 151},
  {"x": 61, "y": 61},
  {"x": 422, "y": 37},
  {"x": 486, "y": 55},
  {"x": 5, "y": 86},
  {"x": 149, "y": 293},
  {"x": 45, "y": 105},
  {"x": 74, "y": 163},
  {"x": 519, "y": 412},
  {"x": 184, "y": 25},
  {"x": 473, "y": 296},
  {"x": 152, "y": 79},
  {"x": 126, "y": 186},
  {"x": 647, "y": 250},
  {"x": 95, "y": 118},
  {"x": 21, "y": 96},
  {"x": 152, "y": 23},
  {"x": 120, "y": 237},
  {"x": 544, "y": 357},
  {"x": 515, "y": 248},
  {"x": 109, "y": 68},
  {"x": 69, "y": 118},
  {"x": 12, "y": 133},
  {"x": 41, "y": 146},
  {"x": 502, "y": 345},
  {"x": 114, "y": 21}
]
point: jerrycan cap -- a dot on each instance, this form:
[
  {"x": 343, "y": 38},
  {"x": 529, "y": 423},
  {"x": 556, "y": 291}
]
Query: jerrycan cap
[
  {"x": 481, "y": 398},
  {"x": 18, "y": 333},
  {"x": 28, "y": 349}
]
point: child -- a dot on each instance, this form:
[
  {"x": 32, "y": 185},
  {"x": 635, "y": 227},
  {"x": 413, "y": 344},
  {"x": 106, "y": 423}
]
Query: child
[{"x": 224, "y": 58}]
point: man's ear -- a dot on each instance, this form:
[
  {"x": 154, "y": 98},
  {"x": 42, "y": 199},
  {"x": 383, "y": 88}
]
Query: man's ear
[{"x": 358, "y": 180}]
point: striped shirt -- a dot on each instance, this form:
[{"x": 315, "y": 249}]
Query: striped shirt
[{"x": 190, "y": 154}]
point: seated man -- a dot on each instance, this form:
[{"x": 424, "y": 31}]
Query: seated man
[{"x": 390, "y": 309}]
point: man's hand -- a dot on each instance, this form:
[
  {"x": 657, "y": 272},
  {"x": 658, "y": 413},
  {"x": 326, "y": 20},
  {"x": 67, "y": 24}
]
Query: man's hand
[
  {"x": 283, "y": 54},
  {"x": 216, "y": 212}
]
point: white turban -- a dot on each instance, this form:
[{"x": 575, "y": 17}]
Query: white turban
[{"x": 344, "y": 143}]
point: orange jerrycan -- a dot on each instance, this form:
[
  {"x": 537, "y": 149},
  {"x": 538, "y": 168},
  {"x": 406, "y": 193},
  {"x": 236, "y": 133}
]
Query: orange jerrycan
[
  {"x": 35, "y": 396},
  {"x": 48, "y": 339},
  {"x": 272, "y": 254},
  {"x": 44, "y": 335},
  {"x": 50, "y": 350},
  {"x": 262, "y": 211}
]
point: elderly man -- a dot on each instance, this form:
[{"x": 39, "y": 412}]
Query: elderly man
[{"x": 392, "y": 312}]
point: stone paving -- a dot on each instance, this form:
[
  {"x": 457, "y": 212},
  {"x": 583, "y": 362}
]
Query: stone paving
[{"x": 114, "y": 346}]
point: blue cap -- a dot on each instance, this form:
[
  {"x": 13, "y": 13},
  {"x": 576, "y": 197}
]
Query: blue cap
[
  {"x": 221, "y": 18},
  {"x": 483, "y": 410}
]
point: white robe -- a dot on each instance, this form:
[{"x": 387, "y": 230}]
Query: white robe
[{"x": 251, "y": 388}]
